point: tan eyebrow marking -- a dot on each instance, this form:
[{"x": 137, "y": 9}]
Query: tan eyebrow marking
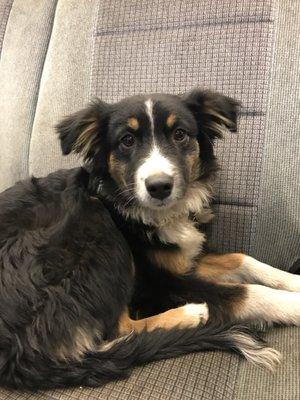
[
  {"x": 133, "y": 123},
  {"x": 171, "y": 120}
]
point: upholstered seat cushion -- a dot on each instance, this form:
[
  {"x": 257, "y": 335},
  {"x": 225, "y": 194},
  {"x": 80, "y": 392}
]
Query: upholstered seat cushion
[
  {"x": 205, "y": 376},
  {"x": 57, "y": 54}
]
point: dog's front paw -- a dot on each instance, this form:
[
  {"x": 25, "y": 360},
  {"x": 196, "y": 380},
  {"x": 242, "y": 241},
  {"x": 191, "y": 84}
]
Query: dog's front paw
[
  {"x": 187, "y": 316},
  {"x": 196, "y": 313}
]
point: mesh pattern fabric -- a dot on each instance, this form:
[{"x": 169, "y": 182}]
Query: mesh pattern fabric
[
  {"x": 253, "y": 383},
  {"x": 205, "y": 376},
  {"x": 279, "y": 208},
  {"x": 173, "y": 46}
]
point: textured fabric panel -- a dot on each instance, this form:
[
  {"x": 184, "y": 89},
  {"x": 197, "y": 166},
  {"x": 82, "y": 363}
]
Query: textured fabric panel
[
  {"x": 65, "y": 83},
  {"x": 172, "y": 46},
  {"x": 237, "y": 187},
  {"x": 205, "y": 376},
  {"x": 253, "y": 383},
  {"x": 126, "y": 16},
  {"x": 24, "y": 49},
  {"x": 233, "y": 58},
  {"x": 15, "y": 395},
  {"x": 278, "y": 229},
  {"x": 231, "y": 228},
  {"x": 240, "y": 158},
  {"x": 5, "y": 7}
]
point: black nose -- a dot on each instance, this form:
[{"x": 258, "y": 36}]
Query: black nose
[{"x": 159, "y": 186}]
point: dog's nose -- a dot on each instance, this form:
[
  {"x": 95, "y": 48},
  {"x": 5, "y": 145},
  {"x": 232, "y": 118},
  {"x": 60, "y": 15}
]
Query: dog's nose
[{"x": 159, "y": 186}]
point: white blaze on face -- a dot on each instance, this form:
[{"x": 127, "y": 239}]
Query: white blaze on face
[
  {"x": 155, "y": 163},
  {"x": 149, "y": 111}
]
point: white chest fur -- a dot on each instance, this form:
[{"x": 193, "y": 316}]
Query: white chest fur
[{"x": 184, "y": 234}]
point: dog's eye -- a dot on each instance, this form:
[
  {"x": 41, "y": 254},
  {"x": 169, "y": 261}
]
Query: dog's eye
[
  {"x": 180, "y": 135},
  {"x": 128, "y": 140}
]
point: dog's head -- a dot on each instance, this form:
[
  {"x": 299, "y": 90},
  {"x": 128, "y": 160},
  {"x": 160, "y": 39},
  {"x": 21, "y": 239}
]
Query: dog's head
[{"x": 148, "y": 151}]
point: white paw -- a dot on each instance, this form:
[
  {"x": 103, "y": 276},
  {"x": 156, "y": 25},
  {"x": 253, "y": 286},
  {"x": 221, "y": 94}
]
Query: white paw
[{"x": 196, "y": 313}]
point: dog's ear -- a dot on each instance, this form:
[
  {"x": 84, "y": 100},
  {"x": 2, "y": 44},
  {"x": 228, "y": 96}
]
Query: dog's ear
[
  {"x": 213, "y": 112},
  {"x": 81, "y": 132}
]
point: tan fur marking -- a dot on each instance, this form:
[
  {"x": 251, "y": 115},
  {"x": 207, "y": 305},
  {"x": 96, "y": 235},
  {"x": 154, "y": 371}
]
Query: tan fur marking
[
  {"x": 167, "y": 320},
  {"x": 133, "y": 123},
  {"x": 125, "y": 323},
  {"x": 171, "y": 260},
  {"x": 171, "y": 120},
  {"x": 86, "y": 139},
  {"x": 117, "y": 170},
  {"x": 221, "y": 117},
  {"x": 176, "y": 317},
  {"x": 214, "y": 266},
  {"x": 193, "y": 164}
]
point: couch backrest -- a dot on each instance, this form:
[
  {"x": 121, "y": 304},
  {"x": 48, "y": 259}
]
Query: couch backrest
[{"x": 56, "y": 55}]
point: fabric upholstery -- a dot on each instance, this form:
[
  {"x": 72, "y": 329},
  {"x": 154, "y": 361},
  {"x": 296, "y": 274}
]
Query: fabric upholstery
[
  {"x": 57, "y": 54},
  {"x": 278, "y": 220},
  {"x": 22, "y": 59},
  {"x": 5, "y": 7},
  {"x": 204, "y": 376},
  {"x": 65, "y": 84},
  {"x": 278, "y": 226},
  {"x": 253, "y": 383}
]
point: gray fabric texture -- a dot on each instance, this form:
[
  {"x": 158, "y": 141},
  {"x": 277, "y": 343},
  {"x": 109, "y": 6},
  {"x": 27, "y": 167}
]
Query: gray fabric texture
[
  {"x": 58, "y": 54},
  {"x": 284, "y": 384},
  {"x": 194, "y": 376},
  {"x": 5, "y": 7},
  {"x": 25, "y": 45},
  {"x": 65, "y": 83},
  {"x": 278, "y": 221}
]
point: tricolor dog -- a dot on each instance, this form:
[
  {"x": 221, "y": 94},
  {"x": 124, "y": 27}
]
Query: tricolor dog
[{"x": 104, "y": 267}]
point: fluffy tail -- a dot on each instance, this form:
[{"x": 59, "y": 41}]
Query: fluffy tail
[{"x": 116, "y": 362}]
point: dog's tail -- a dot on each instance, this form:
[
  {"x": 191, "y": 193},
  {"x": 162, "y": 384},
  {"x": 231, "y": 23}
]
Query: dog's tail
[{"x": 116, "y": 360}]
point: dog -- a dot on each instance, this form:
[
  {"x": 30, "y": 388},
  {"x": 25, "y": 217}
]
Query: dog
[{"x": 105, "y": 266}]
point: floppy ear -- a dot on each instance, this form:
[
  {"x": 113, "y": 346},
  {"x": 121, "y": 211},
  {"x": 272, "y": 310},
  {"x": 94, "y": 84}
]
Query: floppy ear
[
  {"x": 214, "y": 112},
  {"x": 81, "y": 132}
]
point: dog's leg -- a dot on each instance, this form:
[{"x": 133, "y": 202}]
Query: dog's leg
[
  {"x": 269, "y": 305},
  {"x": 187, "y": 316},
  {"x": 242, "y": 302},
  {"x": 228, "y": 301},
  {"x": 240, "y": 268}
]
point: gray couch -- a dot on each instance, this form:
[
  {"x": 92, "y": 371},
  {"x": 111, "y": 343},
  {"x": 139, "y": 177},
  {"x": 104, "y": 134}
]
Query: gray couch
[{"x": 57, "y": 54}]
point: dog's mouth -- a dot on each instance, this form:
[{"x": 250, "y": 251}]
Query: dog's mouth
[{"x": 156, "y": 203}]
